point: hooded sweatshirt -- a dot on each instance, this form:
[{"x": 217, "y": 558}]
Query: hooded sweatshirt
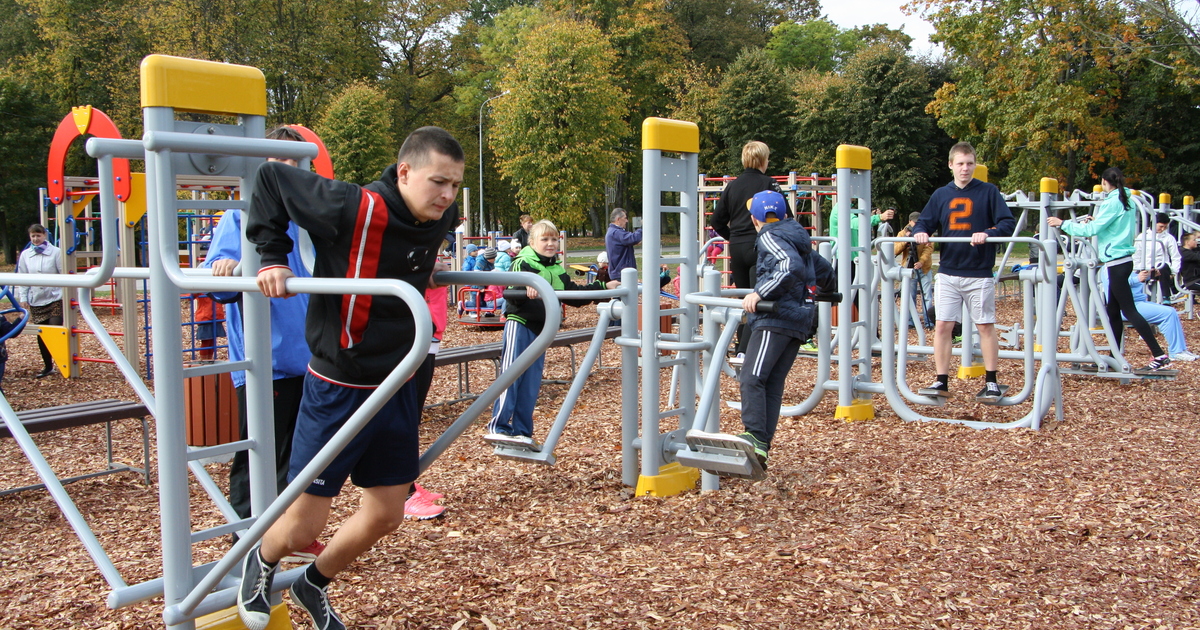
[{"x": 358, "y": 232}]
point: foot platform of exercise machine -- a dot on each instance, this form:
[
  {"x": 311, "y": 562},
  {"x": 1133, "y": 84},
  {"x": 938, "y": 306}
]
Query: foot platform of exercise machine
[
  {"x": 934, "y": 393},
  {"x": 518, "y": 449},
  {"x": 1159, "y": 375},
  {"x": 987, "y": 400},
  {"x": 720, "y": 454},
  {"x": 513, "y": 442}
]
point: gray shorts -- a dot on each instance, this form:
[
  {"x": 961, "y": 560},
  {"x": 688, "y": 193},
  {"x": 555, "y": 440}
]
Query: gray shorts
[{"x": 979, "y": 294}]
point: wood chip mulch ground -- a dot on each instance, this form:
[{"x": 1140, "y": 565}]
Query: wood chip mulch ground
[{"x": 1088, "y": 523}]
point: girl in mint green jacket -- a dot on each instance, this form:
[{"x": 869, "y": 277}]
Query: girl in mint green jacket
[{"x": 1114, "y": 225}]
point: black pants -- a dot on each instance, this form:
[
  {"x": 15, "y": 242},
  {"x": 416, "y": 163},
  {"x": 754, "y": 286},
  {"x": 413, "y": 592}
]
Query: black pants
[
  {"x": 1166, "y": 281},
  {"x": 287, "y": 392},
  {"x": 1120, "y": 301},
  {"x": 743, "y": 258},
  {"x": 769, "y": 358}
]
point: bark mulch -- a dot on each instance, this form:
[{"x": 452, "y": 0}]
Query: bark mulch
[{"x": 1089, "y": 523}]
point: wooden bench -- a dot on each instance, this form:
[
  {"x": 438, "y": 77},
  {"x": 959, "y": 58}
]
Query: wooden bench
[
  {"x": 462, "y": 356},
  {"x": 84, "y": 414}
]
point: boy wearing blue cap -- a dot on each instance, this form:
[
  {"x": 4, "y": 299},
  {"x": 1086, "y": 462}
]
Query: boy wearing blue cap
[{"x": 788, "y": 273}]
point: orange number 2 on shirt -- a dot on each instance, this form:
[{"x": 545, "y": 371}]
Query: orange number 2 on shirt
[{"x": 964, "y": 206}]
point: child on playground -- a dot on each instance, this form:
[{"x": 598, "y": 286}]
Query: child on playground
[
  {"x": 512, "y": 417},
  {"x": 789, "y": 273},
  {"x": 390, "y": 228}
]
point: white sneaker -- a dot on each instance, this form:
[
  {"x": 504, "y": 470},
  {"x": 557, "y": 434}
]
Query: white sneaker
[
  {"x": 738, "y": 360},
  {"x": 1183, "y": 356}
]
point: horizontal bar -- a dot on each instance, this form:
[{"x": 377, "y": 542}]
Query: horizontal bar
[
  {"x": 215, "y": 368},
  {"x": 227, "y": 145},
  {"x": 201, "y": 452}
]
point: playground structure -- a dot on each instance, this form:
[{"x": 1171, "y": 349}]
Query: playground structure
[{"x": 656, "y": 462}]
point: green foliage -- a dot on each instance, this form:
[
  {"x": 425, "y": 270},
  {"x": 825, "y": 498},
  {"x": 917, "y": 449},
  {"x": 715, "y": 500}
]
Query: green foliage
[
  {"x": 878, "y": 102},
  {"x": 755, "y": 103},
  {"x": 557, "y": 134},
  {"x": 25, "y": 142},
  {"x": 357, "y": 131},
  {"x": 718, "y": 30},
  {"x": 816, "y": 45}
]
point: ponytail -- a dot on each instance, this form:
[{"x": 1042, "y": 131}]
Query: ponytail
[{"x": 1114, "y": 176}]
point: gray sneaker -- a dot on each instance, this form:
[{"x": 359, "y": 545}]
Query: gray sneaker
[
  {"x": 254, "y": 594},
  {"x": 316, "y": 602}
]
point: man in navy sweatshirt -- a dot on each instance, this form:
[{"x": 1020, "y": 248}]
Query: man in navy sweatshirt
[{"x": 966, "y": 207}]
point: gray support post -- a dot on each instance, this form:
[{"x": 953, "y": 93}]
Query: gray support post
[
  {"x": 168, "y": 370},
  {"x": 652, "y": 458},
  {"x": 629, "y": 377}
]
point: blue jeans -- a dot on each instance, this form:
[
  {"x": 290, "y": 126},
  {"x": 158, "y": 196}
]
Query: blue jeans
[
  {"x": 922, "y": 291},
  {"x": 513, "y": 413}
]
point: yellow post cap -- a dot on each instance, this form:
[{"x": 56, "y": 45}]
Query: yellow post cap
[
  {"x": 1050, "y": 185},
  {"x": 206, "y": 87},
  {"x": 853, "y": 157},
  {"x": 665, "y": 134},
  {"x": 981, "y": 172},
  {"x": 1188, "y": 200},
  {"x": 1097, "y": 188},
  {"x": 1164, "y": 198}
]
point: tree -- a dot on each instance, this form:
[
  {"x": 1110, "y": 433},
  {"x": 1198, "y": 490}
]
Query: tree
[
  {"x": 816, "y": 44},
  {"x": 755, "y": 103},
  {"x": 1037, "y": 85},
  {"x": 718, "y": 30},
  {"x": 357, "y": 131},
  {"x": 25, "y": 142},
  {"x": 557, "y": 134}
]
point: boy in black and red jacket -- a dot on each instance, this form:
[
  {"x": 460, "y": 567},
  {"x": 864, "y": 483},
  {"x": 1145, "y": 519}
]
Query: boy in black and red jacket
[{"x": 390, "y": 228}]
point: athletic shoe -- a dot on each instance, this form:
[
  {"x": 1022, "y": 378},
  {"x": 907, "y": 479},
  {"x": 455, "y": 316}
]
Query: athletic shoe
[
  {"x": 433, "y": 496},
  {"x": 1183, "y": 356},
  {"x": 760, "y": 447},
  {"x": 420, "y": 505},
  {"x": 253, "y": 601},
  {"x": 957, "y": 340},
  {"x": 810, "y": 347},
  {"x": 1159, "y": 363},
  {"x": 316, "y": 602},
  {"x": 307, "y": 554},
  {"x": 990, "y": 391},
  {"x": 738, "y": 360},
  {"x": 938, "y": 388}
]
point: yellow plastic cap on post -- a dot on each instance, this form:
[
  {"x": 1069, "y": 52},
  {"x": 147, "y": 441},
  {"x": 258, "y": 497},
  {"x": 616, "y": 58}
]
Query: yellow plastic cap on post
[
  {"x": 675, "y": 136},
  {"x": 1097, "y": 188},
  {"x": 853, "y": 157},
  {"x": 981, "y": 172},
  {"x": 1188, "y": 200},
  {"x": 205, "y": 87},
  {"x": 1164, "y": 198},
  {"x": 1049, "y": 185}
]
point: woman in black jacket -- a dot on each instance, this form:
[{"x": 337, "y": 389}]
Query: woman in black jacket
[{"x": 731, "y": 218}]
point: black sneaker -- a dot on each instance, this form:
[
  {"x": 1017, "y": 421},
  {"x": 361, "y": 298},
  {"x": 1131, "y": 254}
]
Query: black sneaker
[
  {"x": 254, "y": 594},
  {"x": 990, "y": 391},
  {"x": 1159, "y": 363},
  {"x": 938, "y": 388},
  {"x": 316, "y": 602}
]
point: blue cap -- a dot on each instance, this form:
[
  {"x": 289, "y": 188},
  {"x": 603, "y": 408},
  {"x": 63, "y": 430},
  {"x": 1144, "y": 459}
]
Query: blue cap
[
  {"x": 472, "y": 247},
  {"x": 765, "y": 202}
]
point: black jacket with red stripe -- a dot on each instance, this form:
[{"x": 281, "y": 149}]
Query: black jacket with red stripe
[{"x": 358, "y": 232}]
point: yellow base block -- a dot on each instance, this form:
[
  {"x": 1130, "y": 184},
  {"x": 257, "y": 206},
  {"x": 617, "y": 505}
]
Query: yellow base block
[
  {"x": 1037, "y": 347},
  {"x": 58, "y": 343},
  {"x": 670, "y": 480},
  {"x": 974, "y": 371},
  {"x": 228, "y": 620},
  {"x": 860, "y": 409}
]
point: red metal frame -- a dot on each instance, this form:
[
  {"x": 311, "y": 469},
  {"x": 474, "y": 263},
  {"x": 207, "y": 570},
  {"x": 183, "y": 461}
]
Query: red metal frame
[
  {"x": 323, "y": 163},
  {"x": 82, "y": 120}
]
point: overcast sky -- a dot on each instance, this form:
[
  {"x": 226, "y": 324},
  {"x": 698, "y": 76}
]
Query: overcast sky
[{"x": 862, "y": 12}]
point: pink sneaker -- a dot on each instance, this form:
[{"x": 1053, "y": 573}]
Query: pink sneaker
[
  {"x": 307, "y": 554},
  {"x": 420, "y": 505},
  {"x": 419, "y": 489}
]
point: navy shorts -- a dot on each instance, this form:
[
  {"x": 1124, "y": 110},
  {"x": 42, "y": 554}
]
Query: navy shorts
[{"x": 384, "y": 453}]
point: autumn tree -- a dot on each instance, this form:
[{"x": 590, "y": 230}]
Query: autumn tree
[
  {"x": 28, "y": 125},
  {"x": 718, "y": 30},
  {"x": 356, "y": 130},
  {"x": 1037, "y": 85},
  {"x": 557, "y": 134}
]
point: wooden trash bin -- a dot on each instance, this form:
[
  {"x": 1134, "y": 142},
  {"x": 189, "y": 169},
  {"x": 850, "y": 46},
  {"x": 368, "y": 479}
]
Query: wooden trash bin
[
  {"x": 211, "y": 410},
  {"x": 666, "y": 323}
]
